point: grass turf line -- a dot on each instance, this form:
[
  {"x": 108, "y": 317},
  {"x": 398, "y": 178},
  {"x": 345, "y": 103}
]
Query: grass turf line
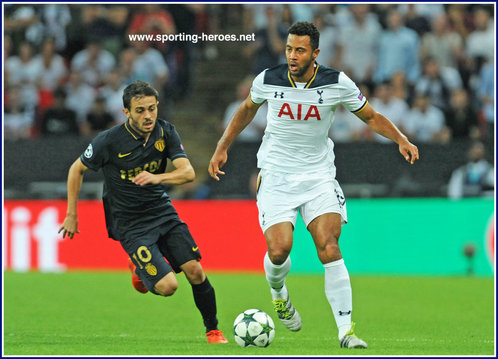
[{"x": 100, "y": 314}]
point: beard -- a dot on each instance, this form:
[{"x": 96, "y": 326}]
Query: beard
[{"x": 301, "y": 70}]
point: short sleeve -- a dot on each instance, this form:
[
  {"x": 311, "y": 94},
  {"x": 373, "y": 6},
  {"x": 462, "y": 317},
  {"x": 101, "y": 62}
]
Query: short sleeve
[
  {"x": 96, "y": 154},
  {"x": 174, "y": 145},
  {"x": 351, "y": 97},
  {"x": 257, "y": 92}
]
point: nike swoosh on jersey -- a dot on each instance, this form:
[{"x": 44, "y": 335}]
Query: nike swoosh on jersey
[
  {"x": 121, "y": 155},
  {"x": 195, "y": 249}
]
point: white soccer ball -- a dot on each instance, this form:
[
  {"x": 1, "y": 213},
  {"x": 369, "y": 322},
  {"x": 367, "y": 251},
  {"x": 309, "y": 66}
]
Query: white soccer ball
[{"x": 253, "y": 328}]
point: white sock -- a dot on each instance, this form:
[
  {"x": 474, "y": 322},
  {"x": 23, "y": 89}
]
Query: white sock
[
  {"x": 338, "y": 292},
  {"x": 275, "y": 275}
]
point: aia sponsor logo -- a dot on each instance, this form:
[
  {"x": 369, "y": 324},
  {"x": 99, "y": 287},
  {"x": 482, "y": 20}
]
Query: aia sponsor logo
[{"x": 300, "y": 112}]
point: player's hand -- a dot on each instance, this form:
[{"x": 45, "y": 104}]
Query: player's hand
[
  {"x": 217, "y": 161},
  {"x": 409, "y": 151},
  {"x": 145, "y": 177},
  {"x": 69, "y": 227}
]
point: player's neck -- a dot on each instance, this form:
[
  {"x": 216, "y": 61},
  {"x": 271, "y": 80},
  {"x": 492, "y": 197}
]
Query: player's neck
[
  {"x": 144, "y": 135},
  {"x": 307, "y": 75}
]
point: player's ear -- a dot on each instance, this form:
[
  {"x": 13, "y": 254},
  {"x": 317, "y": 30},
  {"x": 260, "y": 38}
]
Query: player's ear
[
  {"x": 315, "y": 53},
  {"x": 126, "y": 112}
]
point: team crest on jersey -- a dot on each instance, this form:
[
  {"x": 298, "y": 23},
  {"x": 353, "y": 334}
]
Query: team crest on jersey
[
  {"x": 159, "y": 145},
  {"x": 320, "y": 100},
  {"x": 89, "y": 151},
  {"x": 151, "y": 269}
]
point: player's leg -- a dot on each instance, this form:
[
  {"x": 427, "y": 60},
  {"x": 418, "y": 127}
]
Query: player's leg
[
  {"x": 182, "y": 252},
  {"x": 324, "y": 217},
  {"x": 277, "y": 262},
  {"x": 277, "y": 265},
  {"x": 148, "y": 264},
  {"x": 325, "y": 231},
  {"x": 277, "y": 216}
]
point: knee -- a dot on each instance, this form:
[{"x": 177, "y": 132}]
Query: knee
[
  {"x": 166, "y": 287},
  {"x": 195, "y": 274},
  {"x": 329, "y": 250},
  {"x": 278, "y": 255}
]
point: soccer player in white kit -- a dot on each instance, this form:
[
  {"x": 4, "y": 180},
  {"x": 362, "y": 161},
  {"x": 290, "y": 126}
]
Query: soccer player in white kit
[{"x": 296, "y": 159}]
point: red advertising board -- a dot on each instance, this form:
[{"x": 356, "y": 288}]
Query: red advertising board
[{"x": 227, "y": 232}]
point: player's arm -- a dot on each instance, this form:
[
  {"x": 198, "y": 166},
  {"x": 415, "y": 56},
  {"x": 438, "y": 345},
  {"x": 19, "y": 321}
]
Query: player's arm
[
  {"x": 380, "y": 124},
  {"x": 74, "y": 180},
  {"x": 242, "y": 117},
  {"x": 183, "y": 172}
]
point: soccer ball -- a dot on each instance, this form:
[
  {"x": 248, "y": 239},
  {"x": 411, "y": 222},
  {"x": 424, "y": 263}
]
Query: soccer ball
[{"x": 253, "y": 327}]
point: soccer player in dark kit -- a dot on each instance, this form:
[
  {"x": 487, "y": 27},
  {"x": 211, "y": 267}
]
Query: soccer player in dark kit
[{"x": 138, "y": 212}]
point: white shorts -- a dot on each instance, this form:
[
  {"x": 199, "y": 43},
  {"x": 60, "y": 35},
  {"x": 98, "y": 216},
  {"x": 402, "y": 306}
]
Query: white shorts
[{"x": 281, "y": 195}]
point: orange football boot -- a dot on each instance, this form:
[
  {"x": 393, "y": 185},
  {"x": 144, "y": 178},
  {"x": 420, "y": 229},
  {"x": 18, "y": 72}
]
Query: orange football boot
[
  {"x": 216, "y": 336},
  {"x": 135, "y": 280}
]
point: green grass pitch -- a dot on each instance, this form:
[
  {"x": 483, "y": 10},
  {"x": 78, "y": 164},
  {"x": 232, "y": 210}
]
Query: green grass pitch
[{"x": 101, "y": 314}]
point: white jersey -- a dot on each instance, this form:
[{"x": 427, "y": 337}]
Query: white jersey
[{"x": 299, "y": 117}]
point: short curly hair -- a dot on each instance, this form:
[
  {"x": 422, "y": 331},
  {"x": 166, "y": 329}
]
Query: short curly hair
[
  {"x": 303, "y": 28},
  {"x": 138, "y": 89}
]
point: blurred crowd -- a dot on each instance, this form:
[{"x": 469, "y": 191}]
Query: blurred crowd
[
  {"x": 428, "y": 67},
  {"x": 66, "y": 65}
]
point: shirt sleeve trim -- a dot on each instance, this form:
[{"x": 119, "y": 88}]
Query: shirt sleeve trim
[{"x": 361, "y": 108}]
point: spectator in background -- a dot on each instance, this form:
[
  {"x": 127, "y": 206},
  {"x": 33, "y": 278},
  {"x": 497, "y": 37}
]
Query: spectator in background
[
  {"x": 149, "y": 65},
  {"x": 300, "y": 12},
  {"x": 438, "y": 82},
  {"x": 329, "y": 43},
  {"x": 442, "y": 44},
  {"x": 359, "y": 42},
  {"x": 401, "y": 88},
  {"x": 98, "y": 119},
  {"x": 22, "y": 74},
  {"x": 256, "y": 128},
  {"x": 426, "y": 10},
  {"x": 415, "y": 20},
  {"x": 425, "y": 122},
  {"x": 18, "y": 119},
  {"x": 93, "y": 63},
  {"x": 392, "y": 107},
  {"x": 398, "y": 50},
  {"x": 346, "y": 127},
  {"x": 83, "y": 27},
  {"x": 20, "y": 23},
  {"x": 267, "y": 50},
  {"x": 485, "y": 94},
  {"x": 126, "y": 60},
  {"x": 480, "y": 43},
  {"x": 475, "y": 178},
  {"x": 462, "y": 118},
  {"x": 110, "y": 27},
  {"x": 51, "y": 66},
  {"x": 460, "y": 20},
  {"x": 54, "y": 19},
  {"x": 80, "y": 96},
  {"x": 112, "y": 92},
  {"x": 59, "y": 119},
  {"x": 152, "y": 19}
]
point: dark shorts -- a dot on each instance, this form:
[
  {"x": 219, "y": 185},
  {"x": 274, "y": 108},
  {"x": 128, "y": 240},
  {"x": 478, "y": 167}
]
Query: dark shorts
[{"x": 176, "y": 245}]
